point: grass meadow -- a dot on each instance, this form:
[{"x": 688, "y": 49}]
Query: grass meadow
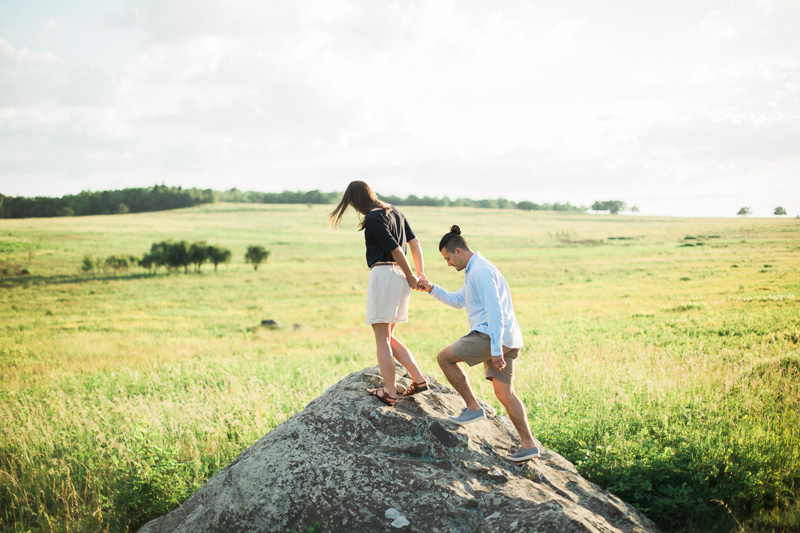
[{"x": 661, "y": 354}]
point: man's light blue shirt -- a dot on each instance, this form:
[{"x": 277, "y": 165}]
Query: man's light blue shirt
[{"x": 487, "y": 298}]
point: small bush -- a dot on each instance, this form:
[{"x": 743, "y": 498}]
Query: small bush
[
  {"x": 153, "y": 484},
  {"x": 256, "y": 255},
  {"x": 117, "y": 263},
  {"x": 90, "y": 264},
  {"x": 12, "y": 269},
  {"x": 174, "y": 255},
  {"x": 686, "y": 307}
]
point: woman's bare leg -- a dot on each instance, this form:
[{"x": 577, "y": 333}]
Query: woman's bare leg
[
  {"x": 383, "y": 335},
  {"x": 405, "y": 357}
]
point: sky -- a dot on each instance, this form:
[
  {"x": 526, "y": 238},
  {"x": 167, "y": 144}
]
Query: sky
[{"x": 682, "y": 108}]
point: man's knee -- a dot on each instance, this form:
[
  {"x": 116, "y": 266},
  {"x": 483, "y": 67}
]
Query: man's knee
[
  {"x": 503, "y": 391},
  {"x": 446, "y": 357}
]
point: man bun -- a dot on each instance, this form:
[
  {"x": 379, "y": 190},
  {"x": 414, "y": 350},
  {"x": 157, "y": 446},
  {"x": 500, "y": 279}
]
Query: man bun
[{"x": 453, "y": 240}]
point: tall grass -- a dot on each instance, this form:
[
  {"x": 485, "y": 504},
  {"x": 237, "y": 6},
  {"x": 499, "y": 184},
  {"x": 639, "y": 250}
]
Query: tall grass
[{"x": 667, "y": 373}]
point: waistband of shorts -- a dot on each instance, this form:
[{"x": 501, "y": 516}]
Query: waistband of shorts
[{"x": 382, "y": 263}]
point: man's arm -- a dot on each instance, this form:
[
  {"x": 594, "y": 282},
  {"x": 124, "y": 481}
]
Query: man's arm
[{"x": 453, "y": 299}]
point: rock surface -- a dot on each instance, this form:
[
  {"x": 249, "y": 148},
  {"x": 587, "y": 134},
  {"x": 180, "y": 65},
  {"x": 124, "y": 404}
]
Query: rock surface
[{"x": 351, "y": 464}]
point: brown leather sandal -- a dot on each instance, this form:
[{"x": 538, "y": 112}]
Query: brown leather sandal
[
  {"x": 416, "y": 388},
  {"x": 384, "y": 397}
]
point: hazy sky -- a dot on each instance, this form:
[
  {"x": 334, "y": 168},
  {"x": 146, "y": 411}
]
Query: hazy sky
[{"x": 681, "y": 107}]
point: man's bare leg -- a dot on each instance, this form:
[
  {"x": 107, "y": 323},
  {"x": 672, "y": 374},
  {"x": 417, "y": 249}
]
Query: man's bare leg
[
  {"x": 448, "y": 361},
  {"x": 516, "y": 411}
]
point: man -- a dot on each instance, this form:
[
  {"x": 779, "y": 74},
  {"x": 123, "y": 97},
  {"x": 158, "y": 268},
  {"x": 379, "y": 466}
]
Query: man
[{"x": 494, "y": 340}]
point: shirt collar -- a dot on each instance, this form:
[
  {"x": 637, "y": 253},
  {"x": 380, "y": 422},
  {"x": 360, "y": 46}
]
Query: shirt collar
[{"x": 471, "y": 259}]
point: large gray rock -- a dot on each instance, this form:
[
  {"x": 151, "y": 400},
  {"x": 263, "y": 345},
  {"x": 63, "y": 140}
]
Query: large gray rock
[{"x": 350, "y": 463}]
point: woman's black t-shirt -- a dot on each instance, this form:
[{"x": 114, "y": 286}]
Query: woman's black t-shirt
[{"x": 385, "y": 231}]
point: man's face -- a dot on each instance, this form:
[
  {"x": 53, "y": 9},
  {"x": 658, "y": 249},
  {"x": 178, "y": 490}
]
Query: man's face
[{"x": 455, "y": 259}]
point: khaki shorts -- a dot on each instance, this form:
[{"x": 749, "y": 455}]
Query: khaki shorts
[{"x": 476, "y": 347}]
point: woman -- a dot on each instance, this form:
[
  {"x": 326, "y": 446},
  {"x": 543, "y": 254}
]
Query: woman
[{"x": 386, "y": 233}]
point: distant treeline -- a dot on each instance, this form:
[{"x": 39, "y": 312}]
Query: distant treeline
[
  {"x": 161, "y": 198},
  {"x": 318, "y": 197},
  {"x": 156, "y": 198}
]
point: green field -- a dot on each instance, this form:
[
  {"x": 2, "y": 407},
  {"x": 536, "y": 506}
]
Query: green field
[{"x": 661, "y": 354}]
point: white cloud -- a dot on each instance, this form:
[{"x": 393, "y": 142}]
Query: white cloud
[
  {"x": 16, "y": 60},
  {"x": 546, "y": 103},
  {"x": 53, "y": 25}
]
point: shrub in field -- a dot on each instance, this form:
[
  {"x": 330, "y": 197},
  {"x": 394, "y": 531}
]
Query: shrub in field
[
  {"x": 149, "y": 262},
  {"x": 612, "y": 206},
  {"x": 169, "y": 254},
  {"x": 174, "y": 255},
  {"x": 153, "y": 484},
  {"x": 118, "y": 263},
  {"x": 12, "y": 269},
  {"x": 218, "y": 255},
  {"x": 177, "y": 255},
  {"x": 157, "y": 256},
  {"x": 256, "y": 255},
  {"x": 89, "y": 264},
  {"x": 198, "y": 254}
]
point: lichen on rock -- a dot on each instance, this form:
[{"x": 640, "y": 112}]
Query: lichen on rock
[{"x": 349, "y": 463}]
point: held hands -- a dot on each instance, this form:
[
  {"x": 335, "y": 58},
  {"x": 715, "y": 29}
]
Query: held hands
[
  {"x": 423, "y": 284},
  {"x": 420, "y": 283}
]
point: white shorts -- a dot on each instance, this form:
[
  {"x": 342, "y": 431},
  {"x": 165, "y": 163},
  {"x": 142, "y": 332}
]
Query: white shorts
[{"x": 387, "y": 295}]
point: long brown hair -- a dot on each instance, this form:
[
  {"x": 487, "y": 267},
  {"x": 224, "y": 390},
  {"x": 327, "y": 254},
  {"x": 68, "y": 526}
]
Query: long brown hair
[{"x": 360, "y": 197}]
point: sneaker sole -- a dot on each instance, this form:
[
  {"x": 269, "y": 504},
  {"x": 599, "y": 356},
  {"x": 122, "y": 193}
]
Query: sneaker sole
[
  {"x": 523, "y": 459},
  {"x": 465, "y": 422}
]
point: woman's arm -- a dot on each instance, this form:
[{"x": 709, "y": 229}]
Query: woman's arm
[
  {"x": 416, "y": 254},
  {"x": 400, "y": 258}
]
